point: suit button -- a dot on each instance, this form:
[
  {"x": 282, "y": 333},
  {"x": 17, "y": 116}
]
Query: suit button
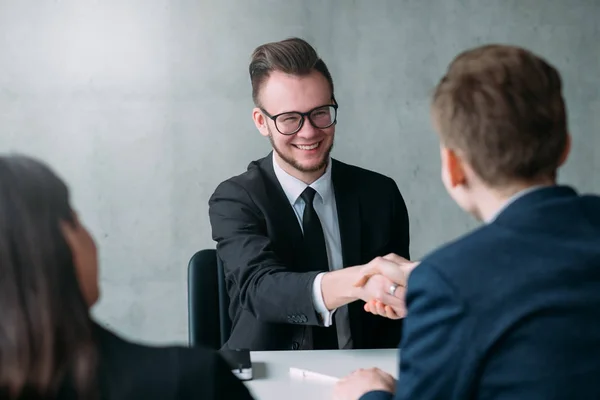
[
  {"x": 295, "y": 346},
  {"x": 295, "y": 319}
]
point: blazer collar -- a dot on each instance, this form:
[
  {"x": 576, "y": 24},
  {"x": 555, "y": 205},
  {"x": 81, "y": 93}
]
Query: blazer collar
[
  {"x": 283, "y": 214},
  {"x": 511, "y": 200},
  {"x": 533, "y": 199},
  {"x": 293, "y": 187},
  {"x": 347, "y": 201},
  {"x": 348, "y": 209}
]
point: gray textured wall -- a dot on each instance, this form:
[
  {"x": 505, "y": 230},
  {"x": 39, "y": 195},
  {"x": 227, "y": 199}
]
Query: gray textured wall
[{"x": 143, "y": 106}]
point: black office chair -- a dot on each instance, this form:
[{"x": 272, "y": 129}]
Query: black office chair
[{"x": 208, "y": 302}]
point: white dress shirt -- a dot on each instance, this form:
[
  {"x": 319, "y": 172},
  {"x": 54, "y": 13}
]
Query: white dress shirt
[{"x": 325, "y": 207}]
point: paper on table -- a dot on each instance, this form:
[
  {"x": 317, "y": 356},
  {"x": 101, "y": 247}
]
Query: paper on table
[{"x": 310, "y": 375}]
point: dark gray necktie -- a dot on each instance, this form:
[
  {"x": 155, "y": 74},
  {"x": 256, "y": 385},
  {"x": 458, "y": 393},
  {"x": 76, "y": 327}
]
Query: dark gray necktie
[{"x": 316, "y": 255}]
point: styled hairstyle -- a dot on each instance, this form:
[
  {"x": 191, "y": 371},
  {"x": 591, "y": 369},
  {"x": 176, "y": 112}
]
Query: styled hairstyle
[
  {"x": 46, "y": 343},
  {"x": 292, "y": 56},
  {"x": 501, "y": 107}
]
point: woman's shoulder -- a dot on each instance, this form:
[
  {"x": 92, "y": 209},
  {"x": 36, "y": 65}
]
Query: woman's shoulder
[
  {"x": 176, "y": 371},
  {"x": 133, "y": 370},
  {"x": 114, "y": 344}
]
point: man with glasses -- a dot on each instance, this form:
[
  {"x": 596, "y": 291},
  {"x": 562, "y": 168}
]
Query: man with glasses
[{"x": 298, "y": 229}]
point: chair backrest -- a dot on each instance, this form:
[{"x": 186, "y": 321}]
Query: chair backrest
[
  {"x": 208, "y": 301},
  {"x": 224, "y": 320}
]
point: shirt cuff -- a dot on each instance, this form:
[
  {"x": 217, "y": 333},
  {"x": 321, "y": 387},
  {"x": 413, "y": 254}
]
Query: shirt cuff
[{"x": 319, "y": 303}]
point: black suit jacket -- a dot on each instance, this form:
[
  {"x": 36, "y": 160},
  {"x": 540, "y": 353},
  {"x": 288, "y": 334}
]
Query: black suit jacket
[
  {"x": 132, "y": 371},
  {"x": 259, "y": 241},
  {"x": 511, "y": 311}
]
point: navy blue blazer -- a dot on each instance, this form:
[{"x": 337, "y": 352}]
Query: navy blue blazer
[{"x": 510, "y": 311}]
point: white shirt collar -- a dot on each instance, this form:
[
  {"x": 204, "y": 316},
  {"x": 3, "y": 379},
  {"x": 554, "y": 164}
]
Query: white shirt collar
[
  {"x": 293, "y": 187},
  {"x": 514, "y": 198}
]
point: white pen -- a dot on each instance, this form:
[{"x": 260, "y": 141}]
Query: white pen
[{"x": 310, "y": 375}]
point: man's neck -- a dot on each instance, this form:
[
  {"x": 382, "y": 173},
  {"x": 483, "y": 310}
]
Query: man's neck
[
  {"x": 490, "y": 201},
  {"x": 306, "y": 177}
]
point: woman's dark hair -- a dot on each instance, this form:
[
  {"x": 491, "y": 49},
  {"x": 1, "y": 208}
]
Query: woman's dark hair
[{"x": 46, "y": 334}]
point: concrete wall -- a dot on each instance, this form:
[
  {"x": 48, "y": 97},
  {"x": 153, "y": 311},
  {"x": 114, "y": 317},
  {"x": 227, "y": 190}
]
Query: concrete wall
[{"x": 143, "y": 106}]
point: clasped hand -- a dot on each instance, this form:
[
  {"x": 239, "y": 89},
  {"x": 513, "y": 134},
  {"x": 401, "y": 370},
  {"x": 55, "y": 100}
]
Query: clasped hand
[{"x": 377, "y": 277}]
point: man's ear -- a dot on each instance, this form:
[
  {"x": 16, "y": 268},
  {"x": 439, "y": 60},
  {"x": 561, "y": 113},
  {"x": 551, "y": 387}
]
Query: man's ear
[
  {"x": 260, "y": 121},
  {"x": 566, "y": 151},
  {"x": 454, "y": 167}
]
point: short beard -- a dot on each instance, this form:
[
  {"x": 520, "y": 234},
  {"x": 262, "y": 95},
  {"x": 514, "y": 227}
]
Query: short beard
[{"x": 295, "y": 164}]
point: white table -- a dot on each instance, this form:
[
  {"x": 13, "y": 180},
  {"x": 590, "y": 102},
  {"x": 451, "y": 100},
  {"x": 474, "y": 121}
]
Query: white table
[{"x": 271, "y": 371}]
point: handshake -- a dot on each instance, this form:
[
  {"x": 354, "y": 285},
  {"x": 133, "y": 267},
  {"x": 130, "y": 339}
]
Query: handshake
[{"x": 382, "y": 285}]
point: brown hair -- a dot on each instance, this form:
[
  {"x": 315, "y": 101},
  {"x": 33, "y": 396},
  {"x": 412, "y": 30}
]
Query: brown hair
[
  {"x": 46, "y": 334},
  {"x": 501, "y": 107},
  {"x": 291, "y": 56}
]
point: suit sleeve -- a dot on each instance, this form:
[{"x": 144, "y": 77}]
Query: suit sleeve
[
  {"x": 390, "y": 331},
  {"x": 435, "y": 330},
  {"x": 377, "y": 395},
  {"x": 267, "y": 289}
]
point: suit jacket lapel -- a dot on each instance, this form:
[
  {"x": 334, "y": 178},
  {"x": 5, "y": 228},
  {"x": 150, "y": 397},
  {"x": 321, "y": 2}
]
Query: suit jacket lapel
[
  {"x": 347, "y": 204},
  {"x": 284, "y": 212},
  {"x": 348, "y": 210}
]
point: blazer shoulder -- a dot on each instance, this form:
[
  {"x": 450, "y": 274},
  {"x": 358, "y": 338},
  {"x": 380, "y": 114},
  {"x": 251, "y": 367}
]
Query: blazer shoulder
[
  {"x": 248, "y": 179},
  {"x": 123, "y": 353},
  {"x": 462, "y": 252},
  {"x": 131, "y": 370},
  {"x": 362, "y": 175},
  {"x": 479, "y": 256},
  {"x": 109, "y": 340}
]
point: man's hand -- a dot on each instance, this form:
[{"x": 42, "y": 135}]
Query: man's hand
[
  {"x": 391, "y": 266},
  {"x": 367, "y": 283},
  {"x": 376, "y": 307},
  {"x": 396, "y": 269},
  {"x": 359, "y": 382},
  {"x": 377, "y": 290}
]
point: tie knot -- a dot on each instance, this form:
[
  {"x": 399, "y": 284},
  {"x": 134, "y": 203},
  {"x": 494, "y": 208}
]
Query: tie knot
[{"x": 308, "y": 195}]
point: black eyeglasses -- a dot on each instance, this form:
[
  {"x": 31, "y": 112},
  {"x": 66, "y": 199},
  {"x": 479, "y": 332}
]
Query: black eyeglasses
[{"x": 290, "y": 122}]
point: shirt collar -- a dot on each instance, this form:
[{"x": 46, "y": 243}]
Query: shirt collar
[
  {"x": 293, "y": 187},
  {"x": 514, "y": 198}
]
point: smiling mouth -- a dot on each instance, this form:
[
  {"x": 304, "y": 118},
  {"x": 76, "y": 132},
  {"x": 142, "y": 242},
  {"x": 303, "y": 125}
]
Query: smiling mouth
[{"x": 308, "y": 146}]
